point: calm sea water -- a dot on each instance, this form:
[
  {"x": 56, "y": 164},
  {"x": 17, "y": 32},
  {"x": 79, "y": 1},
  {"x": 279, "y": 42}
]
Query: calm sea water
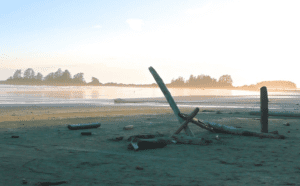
[{"x": 21, "y": 94}]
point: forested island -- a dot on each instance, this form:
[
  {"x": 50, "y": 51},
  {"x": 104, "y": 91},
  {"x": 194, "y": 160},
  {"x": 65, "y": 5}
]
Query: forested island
[{"x": 64, "y": 78}]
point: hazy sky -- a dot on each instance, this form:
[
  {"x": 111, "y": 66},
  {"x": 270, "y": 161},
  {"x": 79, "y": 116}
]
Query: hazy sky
[{"x": 116, "y": 41}]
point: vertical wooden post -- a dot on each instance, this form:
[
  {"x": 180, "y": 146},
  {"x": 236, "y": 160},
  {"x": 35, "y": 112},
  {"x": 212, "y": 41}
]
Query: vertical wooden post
[{"x": 264, "y": 109}]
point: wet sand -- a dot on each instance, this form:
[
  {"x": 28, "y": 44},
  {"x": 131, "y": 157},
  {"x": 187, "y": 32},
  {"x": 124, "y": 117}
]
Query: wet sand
[{"x": 47, "y": 151}]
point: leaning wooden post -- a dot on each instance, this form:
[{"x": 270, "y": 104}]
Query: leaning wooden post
[
  {"x": 170, "y": 100},
  {"x": 264, "y": 109}
]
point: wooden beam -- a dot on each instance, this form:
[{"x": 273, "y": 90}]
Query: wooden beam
[{"x": 170, "y": 99}]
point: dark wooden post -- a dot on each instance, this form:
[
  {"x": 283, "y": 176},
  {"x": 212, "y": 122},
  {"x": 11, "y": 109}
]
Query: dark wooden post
[{"x": 264, "y": 109}]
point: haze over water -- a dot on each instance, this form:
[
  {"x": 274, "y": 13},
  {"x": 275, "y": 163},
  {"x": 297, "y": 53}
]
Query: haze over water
[{"x": 104, "y": 95}]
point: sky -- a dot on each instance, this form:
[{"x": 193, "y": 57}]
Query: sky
[{"x": 116, "y": 41}]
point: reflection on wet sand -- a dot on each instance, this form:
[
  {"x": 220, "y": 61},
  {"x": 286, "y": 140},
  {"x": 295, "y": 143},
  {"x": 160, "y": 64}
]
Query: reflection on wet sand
[
  {"x": 21, "y": 93},
  {"x": 95, "y": 94}
]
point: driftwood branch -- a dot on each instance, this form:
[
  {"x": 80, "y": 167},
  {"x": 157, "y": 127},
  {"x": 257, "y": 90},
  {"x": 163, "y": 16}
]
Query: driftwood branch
[
  {"x": 218, "y": 128},
  {"x": 187, "y": 120},
  {"x": 170, "y": 99}
]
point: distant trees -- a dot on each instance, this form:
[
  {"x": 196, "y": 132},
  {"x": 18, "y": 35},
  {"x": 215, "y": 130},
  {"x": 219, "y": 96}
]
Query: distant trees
[
  {"x": 225, "y": 81},
  {"x": 277, "y": 84},
  {"x": 202, "y": 81},
  {"x": 178, "y": 82},
  {"x": 78, "y": 78},
  {"x": 54, "y": 78},
  {"x": 29, "y": 74},
  {"x": 17, "y": 75},
  {"x": 66, "y": 76},
  {"x": 95, "y": 81},
  {"x": 39, "y": 77}
]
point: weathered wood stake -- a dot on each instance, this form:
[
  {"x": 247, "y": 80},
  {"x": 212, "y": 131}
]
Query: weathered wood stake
[
  {"x": 170, "y": 100},
  {"x": 264, "y": 109}
]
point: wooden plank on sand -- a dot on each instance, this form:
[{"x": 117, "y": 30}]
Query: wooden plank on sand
[{"x": 83, "y": 126}]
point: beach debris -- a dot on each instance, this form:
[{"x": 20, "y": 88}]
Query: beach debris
[
  {"x": 14, "y": 136},
  {"x": 86, "y": 133},
  {"x": 147, "y": 141},
  {"x": 218, "y": 128},
  {"x": 258, "y": 164},
  {"x": 142, "y": 136},
  {"x": 128, "y": 127},
  {"x": 50, "y": 183},
  {"x": 187, "y": 120},
  {"x": 170, "y": 100},
  {"x": 184, "y": 119},
  {"x": 83, "y": 126},
  {"x": 139, "y": 168},
  {"x": 287, "y": 124},
  {"x": 153, "y": 142},
  {"x": 24, "y": 181},
  {"x": 181, "y": 139},
  {"x": 144, "y": 144},
  {"x": 117, "y": 138},
  {"x": 274, "y": 132},
  {"x": 207, "y": 111}
]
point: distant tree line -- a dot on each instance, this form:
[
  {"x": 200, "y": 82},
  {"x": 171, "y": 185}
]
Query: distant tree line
[
  {"x": 54, "y": 78},
  {"x": 29, "y": 77},
  {"x": 202, "y": 81},
  {"x": 270, "y": 84}
]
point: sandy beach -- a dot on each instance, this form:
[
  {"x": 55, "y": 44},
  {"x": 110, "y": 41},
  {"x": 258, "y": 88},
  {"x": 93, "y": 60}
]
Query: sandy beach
[{"x": 47, "y": 151}]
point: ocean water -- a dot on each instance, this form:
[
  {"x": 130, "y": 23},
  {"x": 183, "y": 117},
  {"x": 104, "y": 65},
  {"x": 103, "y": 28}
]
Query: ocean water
[{"x": 105, "y": 95}]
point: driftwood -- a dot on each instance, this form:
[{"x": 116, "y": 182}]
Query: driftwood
[
  {"x": 83, "y": 126},
  {"x": 210, "y": 126},
  {"x": 153, "y": 142},
  {"x": 187, "y": 120},
  {"x": 218, "y": 128},
  {"x": 50, "y": 183},
  {"x": 170, "y": 100},
  {"x": 144, "y": 144},
  {"x": 180, "y": 139}
]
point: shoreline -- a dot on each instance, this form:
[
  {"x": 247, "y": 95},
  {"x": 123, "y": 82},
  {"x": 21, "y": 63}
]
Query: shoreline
[
  {"x": 170, "y": 87},
  {"x": 138, "y": 106}
]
